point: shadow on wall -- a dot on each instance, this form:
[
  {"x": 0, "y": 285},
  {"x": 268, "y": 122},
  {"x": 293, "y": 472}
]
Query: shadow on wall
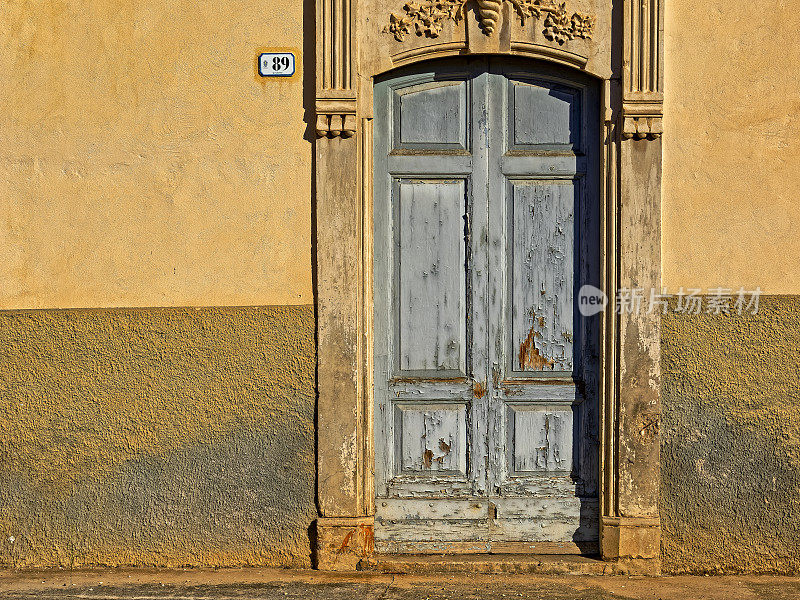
[
  {"x": 730, "y": 499},
  {"x": 163, "y": 437}
]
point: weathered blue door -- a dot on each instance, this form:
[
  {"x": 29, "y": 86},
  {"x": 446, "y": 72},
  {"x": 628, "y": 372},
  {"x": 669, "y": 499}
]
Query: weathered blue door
[{"x": 486, "y": 225}]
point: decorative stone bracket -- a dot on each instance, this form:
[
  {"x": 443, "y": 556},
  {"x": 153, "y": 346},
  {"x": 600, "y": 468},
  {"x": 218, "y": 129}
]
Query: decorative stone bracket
[
  {"x": 642, "y": 120},
  {"x": 336, "y": 97},
  {"x": 336, "y": 117},
  {"x": 642, "y": 75}
]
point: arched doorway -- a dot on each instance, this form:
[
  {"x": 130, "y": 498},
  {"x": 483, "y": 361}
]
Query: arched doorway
[{"x": 486, "y": 226}]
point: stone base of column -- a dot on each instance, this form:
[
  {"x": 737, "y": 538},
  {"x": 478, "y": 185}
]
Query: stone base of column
[
  {"x": 633, "y": 540},
  {"x": 343, "y": 542}
]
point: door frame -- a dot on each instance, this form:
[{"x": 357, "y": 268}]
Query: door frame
[{"x": 626, "y": 53}]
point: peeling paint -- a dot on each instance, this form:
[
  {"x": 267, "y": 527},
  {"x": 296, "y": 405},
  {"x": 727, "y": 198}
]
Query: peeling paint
[
  {"x": 349, "y": 460},
  {"x": 529, "y": 355}
]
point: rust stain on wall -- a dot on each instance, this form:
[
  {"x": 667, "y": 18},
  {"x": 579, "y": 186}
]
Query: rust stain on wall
[
  {"x": 346, "y": 541},
  {"x": 359, "y": 540}
]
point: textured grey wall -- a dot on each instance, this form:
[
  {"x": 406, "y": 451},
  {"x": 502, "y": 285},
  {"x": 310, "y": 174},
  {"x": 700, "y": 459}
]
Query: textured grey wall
[
  {"x": 160, "y": 437},
  {"x": 730, "y": 498}
]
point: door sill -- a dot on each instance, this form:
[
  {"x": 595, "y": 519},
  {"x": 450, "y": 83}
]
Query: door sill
[
  {"x": 484, "y": 547},
  {"x": 544, "y": 564}
]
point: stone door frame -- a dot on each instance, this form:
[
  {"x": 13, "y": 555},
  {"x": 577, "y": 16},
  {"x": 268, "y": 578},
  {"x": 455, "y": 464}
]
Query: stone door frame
[{"x": 631, "y": 260}]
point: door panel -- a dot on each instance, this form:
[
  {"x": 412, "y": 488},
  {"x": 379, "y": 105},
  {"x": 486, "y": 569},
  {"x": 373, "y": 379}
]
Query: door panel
[
  {"x": 540, "y": 438},
  {"x": 486, "y": 223},
  {"x": 543, "y": 114},
  {"x": 540, "y": 283},
  {"x": 433, "y": 438},
  {"x": 431, "y": 115},
  {"x": 431, "y": 254}
]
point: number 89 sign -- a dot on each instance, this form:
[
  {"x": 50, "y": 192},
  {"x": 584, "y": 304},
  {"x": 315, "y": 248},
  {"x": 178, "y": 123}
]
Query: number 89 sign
[{"x": 276, "y": 64}]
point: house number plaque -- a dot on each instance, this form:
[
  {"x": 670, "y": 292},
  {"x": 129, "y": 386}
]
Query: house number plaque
[{"x": 276, "y": 64}]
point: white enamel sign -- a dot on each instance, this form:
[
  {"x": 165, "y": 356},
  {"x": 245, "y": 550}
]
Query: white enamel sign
[{"x": 276, "y": 64}]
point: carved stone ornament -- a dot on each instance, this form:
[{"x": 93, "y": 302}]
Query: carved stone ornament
[{"x": 427, "y": 17}]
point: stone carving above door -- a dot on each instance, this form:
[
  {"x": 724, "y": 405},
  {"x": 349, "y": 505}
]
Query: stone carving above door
[{"x": 427, "y": 18}]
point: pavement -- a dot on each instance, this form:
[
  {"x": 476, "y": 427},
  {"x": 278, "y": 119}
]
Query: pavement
[{"x": 285, "y": 584}]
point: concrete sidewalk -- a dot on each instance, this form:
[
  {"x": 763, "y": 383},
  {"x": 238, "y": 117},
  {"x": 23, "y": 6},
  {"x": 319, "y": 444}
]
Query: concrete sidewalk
[{"x": 283, "y": 584}]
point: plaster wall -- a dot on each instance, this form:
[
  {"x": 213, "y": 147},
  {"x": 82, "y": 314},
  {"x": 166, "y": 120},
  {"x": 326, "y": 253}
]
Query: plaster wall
[
  {"x": 730, "y": 460},
  {"x": 163, "y": 437},
  {"x": 142, "y": 160},
  {"x": 143, "y": 163},
  {"x": 730, "y": 440},
  {"x": 731, "y": 146}
]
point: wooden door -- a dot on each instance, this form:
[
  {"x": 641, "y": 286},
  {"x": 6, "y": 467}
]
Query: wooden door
[{"x": 486, "y": 225}]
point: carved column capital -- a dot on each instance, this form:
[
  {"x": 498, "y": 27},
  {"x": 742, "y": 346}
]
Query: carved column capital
[
  {"x": 336, "y": 97},
  {"x": 642, "y": 119},
  {"x": 336, "y": 117},
  {"x": 642, "y": 76}
]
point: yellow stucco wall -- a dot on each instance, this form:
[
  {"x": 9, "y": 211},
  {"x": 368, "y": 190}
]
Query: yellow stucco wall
[
  {"x": 732, "y": 145},
  {"x": 143, "y": 163}
]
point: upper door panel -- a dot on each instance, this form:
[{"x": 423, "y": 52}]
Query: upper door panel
[
  {"x": 544, "y": 116},
  {"x": 432, "y": 115}
]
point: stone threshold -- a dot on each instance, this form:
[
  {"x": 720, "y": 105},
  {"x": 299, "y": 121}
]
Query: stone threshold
[{"x": 542, "y": 564}]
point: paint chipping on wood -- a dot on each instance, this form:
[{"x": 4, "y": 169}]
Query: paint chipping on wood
[
  {"x": 483, "y": 255},
  {"x": 428, "y": 459},
  {"x": 542, "y": 274},
  {"x": 529, "y": 355}
]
